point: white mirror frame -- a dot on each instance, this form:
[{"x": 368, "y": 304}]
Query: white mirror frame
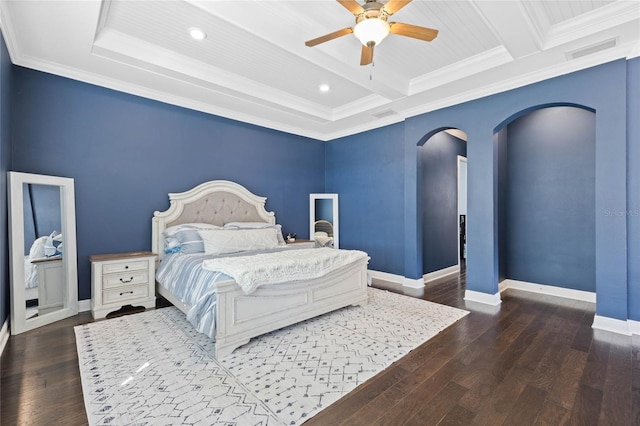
[
  {"x": 312, "y": 216},
  {"x": 16, "y": 180}
]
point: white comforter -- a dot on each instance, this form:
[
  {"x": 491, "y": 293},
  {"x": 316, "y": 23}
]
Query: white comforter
[{"x": 250, "y": 272}]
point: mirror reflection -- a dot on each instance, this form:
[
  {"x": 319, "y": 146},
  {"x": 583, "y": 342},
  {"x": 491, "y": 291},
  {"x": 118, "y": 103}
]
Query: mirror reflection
[
  {"x": 43, "y": 250},
  {"x": 324, "y": 219},
  {"x": 43, "y": 255}
]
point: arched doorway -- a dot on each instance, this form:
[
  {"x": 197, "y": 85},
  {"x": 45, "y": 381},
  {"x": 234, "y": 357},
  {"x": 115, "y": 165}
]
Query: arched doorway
[
  {"x": 442, "y": 181},
  {"x": 546, "y": 197}
]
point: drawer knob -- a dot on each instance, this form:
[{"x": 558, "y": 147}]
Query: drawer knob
[
  {"x": 123, "y": 281},
  {"x": 126, "y": 292},
  {"x": 126, "y": 267}
]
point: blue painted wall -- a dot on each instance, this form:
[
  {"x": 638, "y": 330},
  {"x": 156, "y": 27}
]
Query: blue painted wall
[
  {"x": 633, "y": 185},
  {"x": 439, "y": 194},
  {"x": 366, "y": 171},
  {"x": 550, "y": 198},
  {"x": 479, "y": 119},
  {"x": 5, "y": 162},
  {"x": 354, "y": 165},
  {"x": 123, "y": 152},
  {"x": 127, "y": 153}
]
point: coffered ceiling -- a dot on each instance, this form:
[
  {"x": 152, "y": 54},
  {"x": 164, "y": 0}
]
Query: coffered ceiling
[{"x": 253, "y": 64}]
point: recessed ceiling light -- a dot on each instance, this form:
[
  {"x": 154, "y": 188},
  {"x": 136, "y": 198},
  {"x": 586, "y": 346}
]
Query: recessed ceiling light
[
  {"x": 197, "y": 33},
  {"x": 324, "y": 87}
]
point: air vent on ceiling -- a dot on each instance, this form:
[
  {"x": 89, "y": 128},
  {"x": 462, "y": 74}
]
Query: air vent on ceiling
[
  {"x": 385, "y": 113},
  {"x": 584, "y": 51}
]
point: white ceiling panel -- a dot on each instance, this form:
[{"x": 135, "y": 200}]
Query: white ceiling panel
[
  {"x": 254, "y": 66},
  {"x": 560, "y": 11}
]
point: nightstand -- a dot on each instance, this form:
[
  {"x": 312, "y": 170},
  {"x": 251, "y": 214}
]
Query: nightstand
[
  {"x": 51, "y": 284},
  {"x": 122, "y": 279},
  {"x": 300, "y": 244}
]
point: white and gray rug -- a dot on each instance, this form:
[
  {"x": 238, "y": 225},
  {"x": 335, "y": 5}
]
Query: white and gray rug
[{"x": 153, "y": 368}]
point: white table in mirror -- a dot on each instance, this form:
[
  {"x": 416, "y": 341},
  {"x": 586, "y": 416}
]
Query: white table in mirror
[
  {"x": 323, "y": 220},
  {"x": 43, "y": 250}
]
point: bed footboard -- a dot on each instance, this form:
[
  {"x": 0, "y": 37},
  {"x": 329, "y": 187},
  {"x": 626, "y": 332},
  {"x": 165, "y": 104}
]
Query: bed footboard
[{"x": 241, "y": 317}]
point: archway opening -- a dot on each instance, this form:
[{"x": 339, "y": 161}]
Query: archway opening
[
  {"x": 442, "y": 187},
  {"x": 546, "y": 197}
]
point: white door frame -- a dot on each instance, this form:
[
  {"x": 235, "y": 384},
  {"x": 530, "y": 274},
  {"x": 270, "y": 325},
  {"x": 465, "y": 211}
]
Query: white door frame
[{"x": 461, "y": 159}]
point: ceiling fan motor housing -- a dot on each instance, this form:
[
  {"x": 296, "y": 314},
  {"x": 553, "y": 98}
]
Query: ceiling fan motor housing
[{"x": 372, "y": 9}]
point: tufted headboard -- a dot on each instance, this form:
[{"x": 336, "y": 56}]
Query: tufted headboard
[
  {"x": 324, "y": 226},
  {"x": 216, "y": 202}
]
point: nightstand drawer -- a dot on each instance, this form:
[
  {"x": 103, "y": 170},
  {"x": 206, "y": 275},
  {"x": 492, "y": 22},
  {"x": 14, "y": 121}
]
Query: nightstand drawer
[
  {"x": 134, "y": 265},
  {"x": 125, "y": 279},
  {"x": 123, "y": 294}
]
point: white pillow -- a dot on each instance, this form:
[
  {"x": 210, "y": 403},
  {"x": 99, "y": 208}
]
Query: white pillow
[
  {"x": 171, "y": 231},
  {"x": 221, "y": 241},
  {"x": 256, "y": 225},
  {"x": 246, "y": 225},
  {"x": 37, "y": 248}
]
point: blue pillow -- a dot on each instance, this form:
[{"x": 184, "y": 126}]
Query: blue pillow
[{"x": 190, "y": 241}]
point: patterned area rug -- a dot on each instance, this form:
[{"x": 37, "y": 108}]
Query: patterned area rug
[{"x": 153, "y": 368}]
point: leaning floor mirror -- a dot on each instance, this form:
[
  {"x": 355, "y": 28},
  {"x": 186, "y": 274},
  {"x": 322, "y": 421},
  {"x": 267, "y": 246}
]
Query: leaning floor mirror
[
  {"x": 323, "y": 220},
  {"x": 42, "y": 238}
]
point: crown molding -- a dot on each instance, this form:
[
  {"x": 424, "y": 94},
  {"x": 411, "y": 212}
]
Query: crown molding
[
  {"x": 522, "y": 80},
  {"x": 291, "y": 114},
  {"x": 145, "y": 92},
  {"x": 461, "y": 69},
  {"x": 589, "y": 23},
  {"x": 152, "y": 58}
]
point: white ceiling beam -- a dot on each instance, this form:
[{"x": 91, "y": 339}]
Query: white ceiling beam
[{"x": 512, "y": 25}]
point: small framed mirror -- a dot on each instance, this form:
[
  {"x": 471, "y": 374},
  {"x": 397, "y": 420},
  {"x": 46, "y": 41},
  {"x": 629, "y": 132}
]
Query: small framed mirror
[
  {"x": 43, "y": 257},
  {"x": 323, "y": 220}
]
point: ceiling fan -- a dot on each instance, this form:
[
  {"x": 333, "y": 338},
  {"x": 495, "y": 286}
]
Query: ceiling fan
[{"x": 372, "y": 26}]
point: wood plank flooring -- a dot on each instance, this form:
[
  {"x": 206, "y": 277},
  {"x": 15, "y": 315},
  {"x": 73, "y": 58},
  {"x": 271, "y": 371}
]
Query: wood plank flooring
[{"x": 534, "y": 360}]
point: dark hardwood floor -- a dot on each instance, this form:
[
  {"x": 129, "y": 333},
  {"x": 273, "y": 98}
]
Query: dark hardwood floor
[{"x": 533, "y": 360}]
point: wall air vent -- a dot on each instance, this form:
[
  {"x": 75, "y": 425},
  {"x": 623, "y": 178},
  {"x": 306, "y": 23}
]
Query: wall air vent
[
  {"x": 584, "y": 51},
  {"x": 385, "y": 113}
]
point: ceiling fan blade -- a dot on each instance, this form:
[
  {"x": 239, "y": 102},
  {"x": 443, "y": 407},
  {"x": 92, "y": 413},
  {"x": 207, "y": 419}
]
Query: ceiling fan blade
[
  {"x": 413, "y": 31},
  {"x": 367, "y": 55},
  {"x": 328, "y": 37},
  {"x": 392, "y": 6},
  {"x": 352, "y": 6}
]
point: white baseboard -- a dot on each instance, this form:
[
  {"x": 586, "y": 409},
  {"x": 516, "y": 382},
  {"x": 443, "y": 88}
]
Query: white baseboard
[
  {"x": 84, "y": 305},
  {"x": 634, "y": 327},
  {"x": 417, "y": 282},
  {"x": 480, "y": 297},
  {"x": 397, "y": 279},
  {"x": 611, "y": 324},
  {"x": 385, "y": 276},
  {"x": 567, "y": 293},
  {"x": 431, "y": 276},
  {"x": 4, "y": 335},
  {"x": 413, "y": 283}
]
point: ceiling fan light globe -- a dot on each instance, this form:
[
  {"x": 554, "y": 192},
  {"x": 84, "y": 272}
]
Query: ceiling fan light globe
[{"x": 372, "y": 30}]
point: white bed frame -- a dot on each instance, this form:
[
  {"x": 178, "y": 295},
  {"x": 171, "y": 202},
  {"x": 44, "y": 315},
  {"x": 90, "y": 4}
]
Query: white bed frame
[{"x": 240, "y": 317}]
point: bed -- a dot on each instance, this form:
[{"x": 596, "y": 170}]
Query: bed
[{"x": 238, "y": 316}]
